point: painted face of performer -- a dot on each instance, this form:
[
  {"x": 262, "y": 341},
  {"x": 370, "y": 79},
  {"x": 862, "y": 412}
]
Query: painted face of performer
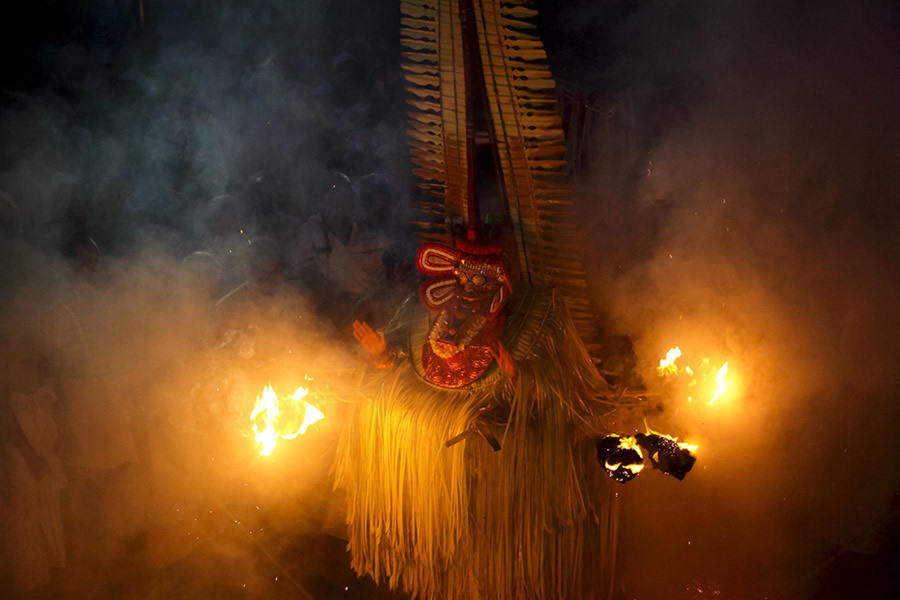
[{"x": 479, "y": 281}]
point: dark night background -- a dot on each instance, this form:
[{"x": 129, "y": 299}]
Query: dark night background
[{"x": 737, "y": 165}]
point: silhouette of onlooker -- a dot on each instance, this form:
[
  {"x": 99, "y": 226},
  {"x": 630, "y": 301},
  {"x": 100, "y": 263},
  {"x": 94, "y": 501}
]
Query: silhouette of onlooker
[
  {"x": 334, "y": 256},
  {"x": 98, "y": 435},
  {"x": 401, "y": 279}
]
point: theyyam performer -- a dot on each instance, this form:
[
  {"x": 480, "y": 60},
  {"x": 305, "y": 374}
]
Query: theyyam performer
[{"x": 470, "y": 461}]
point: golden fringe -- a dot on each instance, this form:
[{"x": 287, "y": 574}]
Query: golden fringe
[{"x": 535, "y": 520}]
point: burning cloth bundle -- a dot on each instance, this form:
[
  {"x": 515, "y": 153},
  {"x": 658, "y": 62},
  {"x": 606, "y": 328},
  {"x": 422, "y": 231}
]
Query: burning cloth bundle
[{"x": 623, "y": 460}]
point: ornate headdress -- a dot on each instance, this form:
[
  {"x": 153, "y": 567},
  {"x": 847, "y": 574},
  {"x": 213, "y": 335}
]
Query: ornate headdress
[
  {"x": 482, "y": 109},
  {"x": 489, "y": 144}
]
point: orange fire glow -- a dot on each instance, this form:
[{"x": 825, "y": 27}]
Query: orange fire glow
[
  {"x": 720, "y": 382},
  {"x": 682, "y": 445},
  {"x": 628, "y": 443},
  {"x": 273, "y": 420},
  {"x": 668, "y": 368},
  {"x": 667, "y": 365}
]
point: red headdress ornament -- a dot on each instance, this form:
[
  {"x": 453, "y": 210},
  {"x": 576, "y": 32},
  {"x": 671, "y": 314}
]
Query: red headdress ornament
[{"x": 471, "y": 272}]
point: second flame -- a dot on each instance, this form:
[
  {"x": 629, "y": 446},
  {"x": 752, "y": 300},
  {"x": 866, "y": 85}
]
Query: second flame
[
  {"x": 272, "y": 420},
  {"x": 667, "y": 367}
]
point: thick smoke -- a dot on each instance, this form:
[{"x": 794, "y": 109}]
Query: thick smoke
[
  {"x": 756, "y": 224},
  {"x": 742, "y": 206},
  {"x": 185, "y": 147}
]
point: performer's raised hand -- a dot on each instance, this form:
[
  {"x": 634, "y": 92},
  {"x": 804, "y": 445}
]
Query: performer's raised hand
[{"x": 373, "y": 343}]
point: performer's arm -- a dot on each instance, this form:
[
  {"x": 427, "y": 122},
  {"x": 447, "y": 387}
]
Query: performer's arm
[{"x": 386, "y": 346}]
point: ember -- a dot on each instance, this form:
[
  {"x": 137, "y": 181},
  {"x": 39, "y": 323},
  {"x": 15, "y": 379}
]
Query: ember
[{"x": 698, "y": 590}]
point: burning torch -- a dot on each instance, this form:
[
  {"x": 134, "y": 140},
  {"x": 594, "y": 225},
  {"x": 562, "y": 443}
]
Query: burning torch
[{"x": 623, "y": 457}]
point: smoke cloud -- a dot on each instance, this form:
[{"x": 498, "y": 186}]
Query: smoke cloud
[
  {"x": 755, "y": 223},
  {"x": 741, "y": 204},
  {"x": 155, "y": 170}
]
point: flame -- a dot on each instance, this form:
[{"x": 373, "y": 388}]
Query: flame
[
  {"x": 720, "y": 382},
  {"x": 686, "y": 446},
  {"x": 267, "y": 405},
  {"x": 633, "y": 468},
  {"x": 667, "y": 365},
  {"x": 627, "y": 443},
  {"x": 272, "y": 420},
  {"x": 668, "y": 368},
  {"x": 682, "y": 445}
]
